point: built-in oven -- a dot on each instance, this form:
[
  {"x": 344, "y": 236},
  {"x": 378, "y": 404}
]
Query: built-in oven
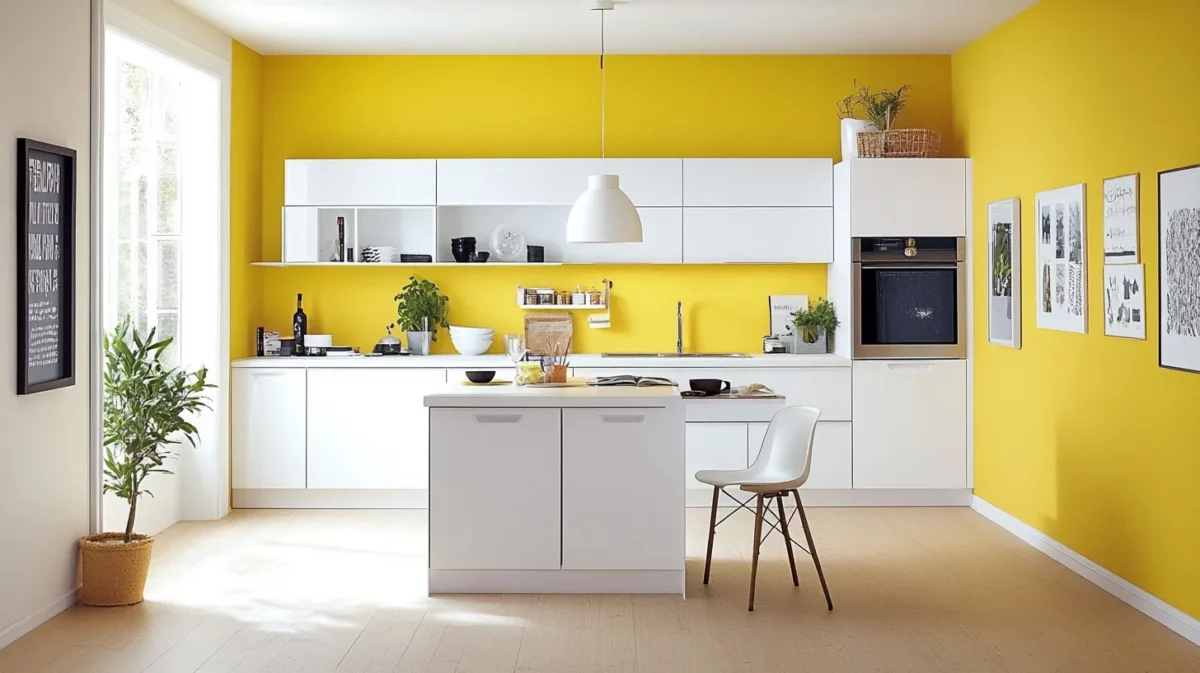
[{"x": 909, "y": 297}]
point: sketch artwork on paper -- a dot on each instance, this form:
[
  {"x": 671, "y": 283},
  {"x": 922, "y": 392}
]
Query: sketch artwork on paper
[
  {"x": 1062, "y": 259},
  {"x": 1004, "y": 279},
  {"x": 1125, "y": 300},
  {"x": 1121, "y": 220},
  {"x": 1179, "y": 268}
]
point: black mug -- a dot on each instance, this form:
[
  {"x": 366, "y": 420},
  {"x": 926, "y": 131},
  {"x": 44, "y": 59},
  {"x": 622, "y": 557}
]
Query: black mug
[{"x": 709, "y": 386}]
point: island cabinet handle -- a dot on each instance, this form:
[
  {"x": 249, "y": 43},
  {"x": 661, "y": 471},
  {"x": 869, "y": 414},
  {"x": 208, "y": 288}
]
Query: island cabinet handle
[
  {"x": 497, "y": 418},
  {"x": 623, "y": 418}
]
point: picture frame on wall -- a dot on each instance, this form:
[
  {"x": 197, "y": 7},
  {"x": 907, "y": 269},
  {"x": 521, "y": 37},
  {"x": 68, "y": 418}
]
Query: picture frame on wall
[
  {"x": 46, "y": 181},
  {"x": 1004, "y": 273},
  {"x": 1179, "y": 268},
  {"x": 1061, "y": 231},
  {"x": 1121, "y": 196}
]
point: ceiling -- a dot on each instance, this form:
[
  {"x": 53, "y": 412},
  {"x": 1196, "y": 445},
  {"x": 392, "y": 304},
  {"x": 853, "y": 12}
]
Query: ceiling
[{"x": 636, "y": 26}]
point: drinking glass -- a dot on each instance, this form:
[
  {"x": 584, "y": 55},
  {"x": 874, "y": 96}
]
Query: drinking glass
[{"x": 514, "y": 345}]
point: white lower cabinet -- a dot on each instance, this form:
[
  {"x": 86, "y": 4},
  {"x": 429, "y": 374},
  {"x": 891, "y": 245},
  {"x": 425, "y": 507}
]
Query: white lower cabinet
[
  {"x": 713, "y": 446},
  {"x": 268, "y": 428},
  {"x": 497, "y": 473},
  {"x": 910, "y": 424},
  {"x": 367, "y": 428},
  {"x": 831, "y": 458},
  {"x": 616, "y": 481}
]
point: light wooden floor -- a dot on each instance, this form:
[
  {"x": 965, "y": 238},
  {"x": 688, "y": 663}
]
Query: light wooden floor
[{"x": 914, "y": 590}]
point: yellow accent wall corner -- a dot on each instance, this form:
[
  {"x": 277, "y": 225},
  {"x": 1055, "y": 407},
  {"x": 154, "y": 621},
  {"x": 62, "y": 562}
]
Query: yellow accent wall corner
[
  {"x": 549, "y": 106},
  {"x": 245, "y": 196},
  {"x": 1084, "y": 436}
]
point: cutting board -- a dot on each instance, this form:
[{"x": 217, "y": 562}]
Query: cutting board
[{"x": 542, "y": 330}]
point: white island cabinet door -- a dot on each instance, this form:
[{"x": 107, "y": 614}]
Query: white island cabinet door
[
  {"x": 609, "y": 455},
  {"x": 495, "y": 486},
  {"x": 910, "y": 424},
  {"x": 367, "y": 428},
  {"x": 359, "y": 182},
  {"x": 268, "y": 428}
]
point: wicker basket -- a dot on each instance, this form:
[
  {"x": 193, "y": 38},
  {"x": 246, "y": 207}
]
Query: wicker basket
[
  {"x": 897, "y": 143},
  {"x": 114, "y": 573}
]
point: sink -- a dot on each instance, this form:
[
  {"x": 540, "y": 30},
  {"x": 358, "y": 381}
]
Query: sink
[{"x": 674, "y": 355}]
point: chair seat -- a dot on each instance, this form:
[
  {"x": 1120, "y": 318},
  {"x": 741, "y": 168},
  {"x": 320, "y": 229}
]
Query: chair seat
[{"x": 755, "y": 480}]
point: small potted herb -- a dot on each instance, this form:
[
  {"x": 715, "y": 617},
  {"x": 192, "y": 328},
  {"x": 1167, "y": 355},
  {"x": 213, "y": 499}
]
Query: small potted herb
[
  {"x": 420, "y": 309},
  {"x": 814, "y": 326}
]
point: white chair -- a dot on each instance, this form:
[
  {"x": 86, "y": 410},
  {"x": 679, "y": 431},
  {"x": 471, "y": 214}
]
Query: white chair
[{"x": 781, "y": 469}]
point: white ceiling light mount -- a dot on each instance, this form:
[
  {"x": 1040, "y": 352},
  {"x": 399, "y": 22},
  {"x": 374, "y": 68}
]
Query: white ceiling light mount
[{"x": 603, "y": 213}]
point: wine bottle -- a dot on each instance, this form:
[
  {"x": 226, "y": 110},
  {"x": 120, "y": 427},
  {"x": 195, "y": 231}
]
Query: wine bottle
[{"x": 299, "y": 326}]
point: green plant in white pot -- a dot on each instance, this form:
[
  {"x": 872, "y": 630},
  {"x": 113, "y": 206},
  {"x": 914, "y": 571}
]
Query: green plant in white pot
[
  {"x": 149, "y": 408},
  {"x": 420, "y": 309},
  {"x": 818, "y": 318}
]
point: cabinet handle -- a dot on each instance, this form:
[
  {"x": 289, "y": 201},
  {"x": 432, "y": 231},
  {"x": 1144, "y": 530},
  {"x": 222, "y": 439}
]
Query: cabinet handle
[
  {"x": 623, "y": 418},
  {"x": 497, "y": 418},
  {"x": 265, "y": 374},
  {"x": 911, "y": 366}
]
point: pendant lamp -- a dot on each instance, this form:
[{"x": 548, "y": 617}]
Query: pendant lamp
[{"x": 603, "y": 213}]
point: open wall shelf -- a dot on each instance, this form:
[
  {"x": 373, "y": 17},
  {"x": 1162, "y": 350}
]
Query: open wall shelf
[{"x": 490, "y": 265}]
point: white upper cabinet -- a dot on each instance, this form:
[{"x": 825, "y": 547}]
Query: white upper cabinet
[
  {"x": 648, "y": 182},
  {"x": 907, "y": 197},
  {"x": 359, "y": 182},
  {"x": 762, "y": 235},
  {"x": 515, "y": 182},
  {"x": 662, "y": 242},
  {"x": 758, "y": 182}
]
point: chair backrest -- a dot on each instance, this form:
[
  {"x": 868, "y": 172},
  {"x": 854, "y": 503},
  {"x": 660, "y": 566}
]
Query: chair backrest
[{"x": 786, "y": 451}]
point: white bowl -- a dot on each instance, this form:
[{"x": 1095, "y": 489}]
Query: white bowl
[
  {"x": 482, "y": 331},
  {"x": 468, "y": 346}
]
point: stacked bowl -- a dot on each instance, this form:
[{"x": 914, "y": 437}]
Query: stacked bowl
[
  {"x": 471, "y": 340},
  {"x": 462, "y": 248}
]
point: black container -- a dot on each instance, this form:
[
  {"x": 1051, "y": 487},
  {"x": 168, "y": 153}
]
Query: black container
[
  {"x": 535, "y": 253},
  {"x": 481, "y": 376},
  {"x": 480, "y": 257}
]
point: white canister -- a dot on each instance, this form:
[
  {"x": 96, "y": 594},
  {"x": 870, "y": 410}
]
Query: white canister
[{"x": 850, "y": 130}]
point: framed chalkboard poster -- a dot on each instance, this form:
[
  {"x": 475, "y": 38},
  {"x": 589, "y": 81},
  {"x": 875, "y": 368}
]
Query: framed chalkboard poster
[{"x": 45, "y": 267}]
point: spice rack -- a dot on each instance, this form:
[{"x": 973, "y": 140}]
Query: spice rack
[{"x": 550, "y": 299}]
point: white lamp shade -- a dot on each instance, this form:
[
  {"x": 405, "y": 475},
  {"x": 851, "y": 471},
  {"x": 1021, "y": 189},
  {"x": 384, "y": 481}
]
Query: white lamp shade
[{"x": 603, "y": 214}]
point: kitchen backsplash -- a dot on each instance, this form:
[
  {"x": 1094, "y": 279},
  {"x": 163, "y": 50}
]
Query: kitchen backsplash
[{"x": 725, "y": 307}]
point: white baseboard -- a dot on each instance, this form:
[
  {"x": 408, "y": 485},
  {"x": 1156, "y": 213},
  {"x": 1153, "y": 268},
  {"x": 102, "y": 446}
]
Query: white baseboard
[
  {"x": 853, "y": 497},
  {"x": 1146, "y": 603},
  {"x": 329, "y": 498},
  {"x": 12, "y": 632}
]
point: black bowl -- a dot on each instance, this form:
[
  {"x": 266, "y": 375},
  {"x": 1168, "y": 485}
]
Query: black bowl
[
  {"x": 480, "y": 256},
  {"x": 465, "y": 240},
  {"x": 462, "y": 256},
  {"x": 709, "y": 386},
  {"x": 480, "y": 376}
]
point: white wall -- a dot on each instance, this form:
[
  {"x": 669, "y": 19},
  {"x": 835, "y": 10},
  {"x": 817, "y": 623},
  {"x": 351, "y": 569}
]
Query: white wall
[{"x": 45, "y": 68}]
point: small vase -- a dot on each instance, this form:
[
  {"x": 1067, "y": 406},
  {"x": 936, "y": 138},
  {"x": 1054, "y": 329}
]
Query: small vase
[
  {"x": 418, "y": 342},
  {"x": 850, "y": 130},
  {"x": 557, "y": 374}
]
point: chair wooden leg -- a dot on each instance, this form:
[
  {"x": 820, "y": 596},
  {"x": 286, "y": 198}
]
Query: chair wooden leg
[
  {"x": 712, "y": 531},
  {"x": 812, "y": 548},
  {"x": 787, "y": 537},
  {"x": 758, "y": 519}
]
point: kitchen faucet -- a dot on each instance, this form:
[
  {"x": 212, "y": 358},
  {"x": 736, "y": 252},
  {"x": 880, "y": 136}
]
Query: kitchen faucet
[{"x": 679, "y": 328}]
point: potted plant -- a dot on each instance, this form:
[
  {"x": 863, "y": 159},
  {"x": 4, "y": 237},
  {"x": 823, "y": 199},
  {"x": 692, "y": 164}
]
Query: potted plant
[
  {"x": 880, "y": 109},
  {"x": 851, "y": 112},
  {"x": 815, "y": 325},
  {"x": 421, "y": 309},
  {"x": 148, "y": 409}
]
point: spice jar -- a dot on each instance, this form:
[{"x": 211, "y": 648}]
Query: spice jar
[
  {"x": 564, "y": 297},
  {"x": 593, "y": 296}
]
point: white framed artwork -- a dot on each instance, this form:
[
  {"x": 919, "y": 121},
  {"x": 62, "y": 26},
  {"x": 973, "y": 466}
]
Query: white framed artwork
[
  {"x": 1004, "y": 273},
  {"x": 1125, "y": 300},
  {"x": 1179, "y": 269},
  {"x": 1121, "y": 220},
  {"x": 1062, "y": 259}
]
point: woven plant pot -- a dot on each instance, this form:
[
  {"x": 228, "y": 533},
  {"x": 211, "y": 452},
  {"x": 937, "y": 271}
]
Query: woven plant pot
[
  {"x": 114, "y": 573},
  {"x": 899, "y": 143}
]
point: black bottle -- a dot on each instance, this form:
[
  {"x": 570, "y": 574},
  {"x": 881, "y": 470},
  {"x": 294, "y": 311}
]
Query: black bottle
[{"x": 299, "y": 326}]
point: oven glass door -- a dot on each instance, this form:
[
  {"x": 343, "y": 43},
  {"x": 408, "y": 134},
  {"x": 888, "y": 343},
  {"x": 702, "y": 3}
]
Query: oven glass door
[{"x": 909, "y": 305}]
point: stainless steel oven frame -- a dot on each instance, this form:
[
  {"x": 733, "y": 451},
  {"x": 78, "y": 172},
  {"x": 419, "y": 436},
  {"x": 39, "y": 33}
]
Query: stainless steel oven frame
[{"x": 872, "y": 261}]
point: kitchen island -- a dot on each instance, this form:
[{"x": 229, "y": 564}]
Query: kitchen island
[{"x": 556, "y": 490}]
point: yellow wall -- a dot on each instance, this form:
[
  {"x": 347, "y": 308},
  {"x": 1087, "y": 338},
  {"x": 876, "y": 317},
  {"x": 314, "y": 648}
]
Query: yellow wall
[
  {"x": 245, "y": 197},
  {"x": 549, "y": 106},
  {"x": 1085, "y": 437}
]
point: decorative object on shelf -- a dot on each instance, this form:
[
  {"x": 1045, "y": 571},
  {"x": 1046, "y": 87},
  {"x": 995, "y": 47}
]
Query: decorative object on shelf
[
  {"x": 544, "y": 329},
  {"x": 479, "y": 257},
  {"x": 535, "y": 253},
  {"x": 880, "y": 108},
  {"x": 372, "y": 254},
  {"x": 416, "y": 259},
  {"x": 341, "y": 240},
  {"x": 389, "y": 344},
  {"x": 773, "y": 343},
  {"x": 1062, "y": 259},
  {"x": 508, "y": 245},
  {"x": 1179, "y": 268},
  {"x": 1004, "y": 279},
  {"x": 463, "y": 248},
  {"x": 148, "y": 409},
  {"x": 900, "y": 144},
  {"x": 1121, "y": 220},
  {"x": 796, "y": 345},
  {"x": 45, "y": 266},
  {"x": 603, "y": 213},
  {"x": 471, "y": 340},
  {"x": 848, "y": 110},
  {"x": 1125, "y": 300},
  {"x": 813, "y": 324},
  {"x": 421, "y": 309}
]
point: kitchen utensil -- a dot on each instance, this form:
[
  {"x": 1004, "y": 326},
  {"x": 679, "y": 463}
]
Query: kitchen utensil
[
  {"x": 463, "y": 241},
  {"x": 508, "y": 245},
  {"x": 514, "y": 347},
  {"x": 534, "y": 253},
  {"x": 389, "y": 344},
  {"x": 709, "y": 386},
  {"x": 480, "y": 376},
  {"x": 287, "y": 346},
  {"x": 480, "y": 257},
  {"x": 557, "y": 374}
]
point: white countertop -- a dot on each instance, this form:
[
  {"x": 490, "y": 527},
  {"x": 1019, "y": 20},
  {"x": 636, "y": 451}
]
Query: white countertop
[
  {"x": 458, "y": 395},
  {"x": 500, "y": 362}
]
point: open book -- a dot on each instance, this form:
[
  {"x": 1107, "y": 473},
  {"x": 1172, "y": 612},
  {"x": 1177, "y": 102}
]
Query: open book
[{"x": 630, "y": 380}]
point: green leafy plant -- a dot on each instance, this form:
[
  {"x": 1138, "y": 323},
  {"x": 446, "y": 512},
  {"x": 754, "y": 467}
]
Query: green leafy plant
[
  {"x": 878, "y": 107},
  {"x": 148, "y": 409},
  {"x": 420, "y": 299},
  {"x": 1002, "y": 260},
  {"x": 818, "y": 316}
]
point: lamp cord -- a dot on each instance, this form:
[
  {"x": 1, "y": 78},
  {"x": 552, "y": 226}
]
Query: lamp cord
[{"x": 602, "y": 88}]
